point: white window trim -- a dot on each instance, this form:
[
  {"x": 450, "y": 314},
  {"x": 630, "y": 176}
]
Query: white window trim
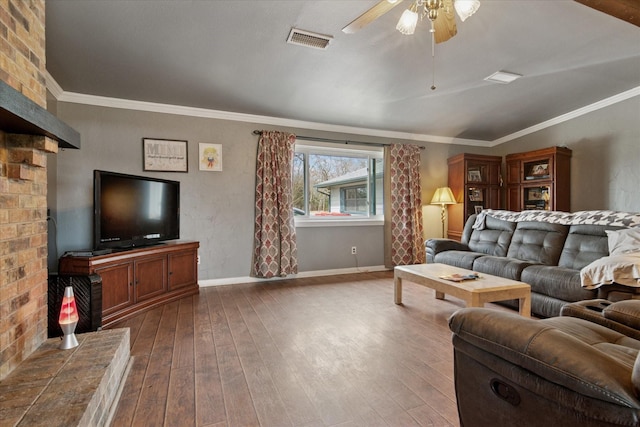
[{"x": 307, "y": 222}]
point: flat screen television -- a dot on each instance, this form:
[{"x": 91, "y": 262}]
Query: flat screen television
[{"x": 132, "y": 211}]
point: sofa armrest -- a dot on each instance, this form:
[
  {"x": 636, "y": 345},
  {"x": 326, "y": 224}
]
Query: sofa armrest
[
  {"x": 626, "y": 312},
  {"x": 435, "y": 246},
  {"x": 622, "y": 316}
]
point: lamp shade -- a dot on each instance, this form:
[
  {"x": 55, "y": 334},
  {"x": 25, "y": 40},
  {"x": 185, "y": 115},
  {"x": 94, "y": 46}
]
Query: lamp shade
[
  {"x": 408, "y": 21},
  {"x": 466, "y": 8},
  {"x": 443, "y": 196}
]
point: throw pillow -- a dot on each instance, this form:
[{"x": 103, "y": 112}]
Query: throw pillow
[{"x": 623, "y": 241}]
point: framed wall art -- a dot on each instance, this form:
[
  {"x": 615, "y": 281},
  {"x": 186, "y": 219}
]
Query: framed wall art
[
  {"x": 210, "y": 157},
  {"x": 164, "y": 155}
]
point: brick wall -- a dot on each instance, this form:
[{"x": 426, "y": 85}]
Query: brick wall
[{"x": 23, "y": 189}]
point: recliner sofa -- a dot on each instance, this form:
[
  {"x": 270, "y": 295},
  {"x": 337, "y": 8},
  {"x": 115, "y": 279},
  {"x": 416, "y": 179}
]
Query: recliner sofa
[
  {"x": 562, "y": 371},
  {"x": 545, "y": 249}
]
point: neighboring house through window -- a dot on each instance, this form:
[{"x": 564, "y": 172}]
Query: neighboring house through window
[{"x": 336, "y": 183}]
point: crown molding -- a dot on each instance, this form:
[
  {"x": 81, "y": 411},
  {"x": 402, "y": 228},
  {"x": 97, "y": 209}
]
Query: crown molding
[
  {"x": 128, "y": 104},
  {"x": 569, "y": 116},
  {"x": 53, "y": 86},
  {"x": 102, "y": 101}
]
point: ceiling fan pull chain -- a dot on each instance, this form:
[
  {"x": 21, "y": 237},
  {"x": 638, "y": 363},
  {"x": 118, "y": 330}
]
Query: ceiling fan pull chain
[{"x": 433, "y": 57}]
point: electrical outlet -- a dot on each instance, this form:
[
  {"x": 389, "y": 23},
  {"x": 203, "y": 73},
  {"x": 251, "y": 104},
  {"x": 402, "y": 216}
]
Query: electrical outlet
[
  {"x": 354, "y": 250},
  {"x": 198, "y": 259}
]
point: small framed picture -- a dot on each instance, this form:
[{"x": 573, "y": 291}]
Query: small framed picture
[
  {"x": 535, "y": 194},
  {"x": 474, "y": 175},
  {"x": 164, "y": 155},
  {"x": 210, "y": 157},
  {"x": 539, "y": 169},
  {"x": 475, "y": 195},
  {"x": 478, "y": 208}
]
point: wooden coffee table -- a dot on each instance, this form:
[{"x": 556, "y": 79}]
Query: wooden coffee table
[{"x": 475, "y": 293}]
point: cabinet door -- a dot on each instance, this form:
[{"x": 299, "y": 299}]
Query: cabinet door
[
  {"x": 477, "y": 199},
  {"x": 537, "y": 197},
  {"x": 514, "y": 202},
  {"x": 494, "y": 198},
  {"x": 513, "y": 172},
  {"x": 117, "y": 284},
  {"x": 183, "y": 269},
  {"x": 540, "y": 169},
  {"x": 479, "y": 172},
  {"x": 151, "y": 277}
]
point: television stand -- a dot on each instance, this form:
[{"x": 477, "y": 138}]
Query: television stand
[{"x": 141, "y": 278}]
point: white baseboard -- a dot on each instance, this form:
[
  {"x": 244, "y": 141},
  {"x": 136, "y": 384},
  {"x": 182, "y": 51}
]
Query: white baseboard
[{"x": 318, "y": 273}]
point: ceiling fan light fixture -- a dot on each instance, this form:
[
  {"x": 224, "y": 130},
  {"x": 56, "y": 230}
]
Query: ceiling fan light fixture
[
  {"x": 466, "y": 8},
  {"x": 408, "y": 21},
  {"x": 502, "y": 77}
]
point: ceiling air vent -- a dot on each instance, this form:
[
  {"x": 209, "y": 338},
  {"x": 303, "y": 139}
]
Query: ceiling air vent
[
  {"x": 308, "y": 39},
  {"x": 502, "y": 77}
]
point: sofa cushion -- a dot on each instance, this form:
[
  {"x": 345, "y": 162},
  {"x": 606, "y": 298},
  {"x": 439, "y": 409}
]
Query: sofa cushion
[
  {"x": 558, "y": 282},
  {"x": 538, "y": 242},
  {"x": 494, "y": 238},
  {"x": 508, "y": 268},
  {"x": 584, "y": 244},
  {"x": 462, "y": 259}
]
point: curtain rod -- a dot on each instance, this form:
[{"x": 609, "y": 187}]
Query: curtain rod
[{"x": 336, "y": 141}]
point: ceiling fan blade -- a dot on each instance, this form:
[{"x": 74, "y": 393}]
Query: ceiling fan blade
[
  {"x": 369, "y": 16},
  {"x": 445, "y": 23}
]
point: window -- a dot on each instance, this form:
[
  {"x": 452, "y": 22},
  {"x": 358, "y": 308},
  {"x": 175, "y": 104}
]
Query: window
[
  {"x": 332, "y": 184},
  {"x": 353, "y": 200}
]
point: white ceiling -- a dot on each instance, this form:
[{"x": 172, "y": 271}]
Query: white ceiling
[{"x": 232, "y": 56}]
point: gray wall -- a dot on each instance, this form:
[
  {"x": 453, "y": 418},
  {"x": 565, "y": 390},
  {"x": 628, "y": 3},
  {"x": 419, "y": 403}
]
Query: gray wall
[
  {"x": 605, "y": 171},
  {"x": 217, "y": 207}
]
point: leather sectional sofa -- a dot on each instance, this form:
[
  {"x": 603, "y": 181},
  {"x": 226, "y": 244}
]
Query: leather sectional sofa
[{"x": 545, "y": 249}]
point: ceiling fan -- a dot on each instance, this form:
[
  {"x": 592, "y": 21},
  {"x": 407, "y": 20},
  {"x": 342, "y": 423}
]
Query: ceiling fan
[{"x": 439, "y": 12}]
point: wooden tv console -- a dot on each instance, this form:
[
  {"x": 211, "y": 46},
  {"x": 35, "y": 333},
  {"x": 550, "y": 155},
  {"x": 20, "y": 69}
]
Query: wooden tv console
[{"x": 139, "y": 279}]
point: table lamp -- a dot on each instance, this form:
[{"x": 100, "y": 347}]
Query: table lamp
[
  {"x": 68, "y": 319},
  {"x": 443, "y": 196}
]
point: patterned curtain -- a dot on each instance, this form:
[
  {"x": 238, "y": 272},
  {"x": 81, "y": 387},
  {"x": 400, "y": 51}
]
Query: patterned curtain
[
  {"x": 275, "y": 252},
  {"x": 404, "y": 241}
]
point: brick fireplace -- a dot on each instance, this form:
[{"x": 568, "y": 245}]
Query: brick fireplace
[
  {"x": 37, "y": 379},
  {"x": 23, "y": 183}
]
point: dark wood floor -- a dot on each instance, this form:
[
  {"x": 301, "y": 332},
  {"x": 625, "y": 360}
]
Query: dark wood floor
[{"x": 305, "y": 352}]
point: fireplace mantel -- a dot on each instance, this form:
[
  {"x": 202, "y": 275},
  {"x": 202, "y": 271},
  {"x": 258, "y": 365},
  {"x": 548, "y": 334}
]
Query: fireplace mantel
[{"x": 20, "y": 115}]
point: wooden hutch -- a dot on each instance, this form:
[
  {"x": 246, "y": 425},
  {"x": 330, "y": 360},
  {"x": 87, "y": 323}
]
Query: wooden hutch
[
  {"x": 539, "y": 179},
  {"x": 475, "y": 181}
]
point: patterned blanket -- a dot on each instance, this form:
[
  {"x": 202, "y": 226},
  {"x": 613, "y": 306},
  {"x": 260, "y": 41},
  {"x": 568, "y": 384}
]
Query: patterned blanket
[{"x": 604, "y": 217}]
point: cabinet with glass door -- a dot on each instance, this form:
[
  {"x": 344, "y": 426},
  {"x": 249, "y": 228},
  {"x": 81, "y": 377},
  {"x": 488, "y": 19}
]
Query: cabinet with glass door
[
  {"x": 539, "y": 180},
  {"x": 475, "y": 181}
]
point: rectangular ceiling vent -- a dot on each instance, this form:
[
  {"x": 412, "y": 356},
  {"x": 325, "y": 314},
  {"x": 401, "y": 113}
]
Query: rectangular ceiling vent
[
  {"x": 502, "y": 77},
  {"x": 308, "y": 39}
]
